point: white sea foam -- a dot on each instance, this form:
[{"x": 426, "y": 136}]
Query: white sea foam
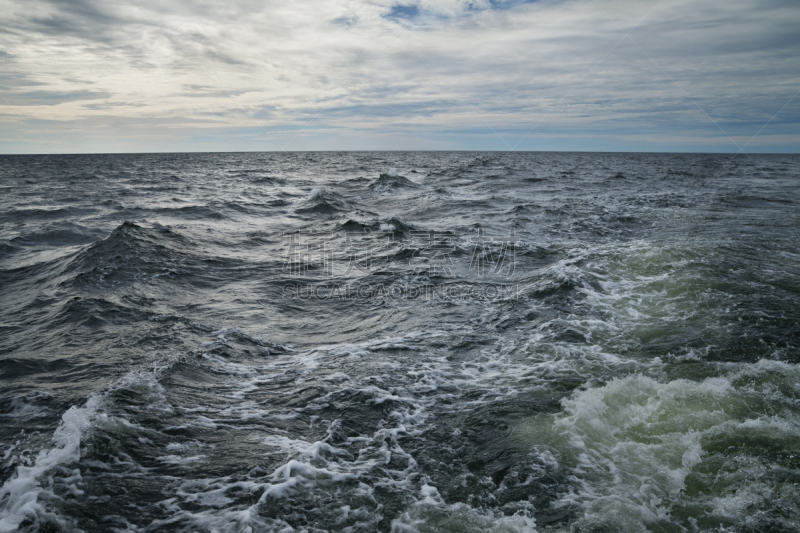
[
  {"x": 628, "y": 444},
  {"x": 26, "y": 406},
  {"x": 317, "y": 192},
  {"x": 430, "y": 514},
  {"x": 635, "y": 440},
  {"x": 25, "y": 494},
  {"x": 180, "y": 460},
  {"x": 22, "y": 494}
]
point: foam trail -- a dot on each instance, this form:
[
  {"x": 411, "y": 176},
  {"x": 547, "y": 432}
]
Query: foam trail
[
  {"x": 21, "y": 494},
  {"x": 636, "y": 441}
]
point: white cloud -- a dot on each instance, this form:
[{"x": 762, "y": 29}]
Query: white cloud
[{"x": 359, "y": 74}]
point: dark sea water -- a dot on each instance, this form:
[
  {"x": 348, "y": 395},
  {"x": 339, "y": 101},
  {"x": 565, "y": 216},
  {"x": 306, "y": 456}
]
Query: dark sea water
[{"x": 432, "y": 342}]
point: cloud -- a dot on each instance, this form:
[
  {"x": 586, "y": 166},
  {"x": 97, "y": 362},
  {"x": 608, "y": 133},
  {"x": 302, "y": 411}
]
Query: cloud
[{"x": 465, "y": 70}]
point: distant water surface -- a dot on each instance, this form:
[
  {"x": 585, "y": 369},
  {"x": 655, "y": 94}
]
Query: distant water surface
[{"x": 400, "y": 342}]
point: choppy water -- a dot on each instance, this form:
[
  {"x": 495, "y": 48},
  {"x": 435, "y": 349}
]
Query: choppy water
[{"x": 400, "y": 342}]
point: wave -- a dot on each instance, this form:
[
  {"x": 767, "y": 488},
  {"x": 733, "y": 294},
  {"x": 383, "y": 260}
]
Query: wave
[
  {"x": 24, "y": 496},
  {"x": 752, "y": 201},
  {"x": 323, "y": 201},
  {"x": 67, "y": 233},
  {"x": 46, "y": 213},
  {"x": 130, "y": 253},
  {"x": 391, "y": 224},
  {"x": 390, "y": 181},
  {"x": 642, "y": 449}
]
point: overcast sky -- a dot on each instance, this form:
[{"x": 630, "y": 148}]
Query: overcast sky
[{"x": 222, "y": 75}]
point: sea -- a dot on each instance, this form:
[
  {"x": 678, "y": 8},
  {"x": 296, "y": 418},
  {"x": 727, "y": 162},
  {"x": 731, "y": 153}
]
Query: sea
[{"x": 400, "y": 342}]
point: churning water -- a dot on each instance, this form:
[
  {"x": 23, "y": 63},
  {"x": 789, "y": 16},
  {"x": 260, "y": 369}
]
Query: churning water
[{"x": 432, "y": 342}]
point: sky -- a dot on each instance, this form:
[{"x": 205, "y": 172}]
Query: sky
[{"x": 99, "y": 76}]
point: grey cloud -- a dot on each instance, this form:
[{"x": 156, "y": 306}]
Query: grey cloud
[
  {"x": 45, "y": 97},
  {"x": 346, "y": 21},
  {"x": 390, "y": 65},
  {"x": 85, "y": 19}
]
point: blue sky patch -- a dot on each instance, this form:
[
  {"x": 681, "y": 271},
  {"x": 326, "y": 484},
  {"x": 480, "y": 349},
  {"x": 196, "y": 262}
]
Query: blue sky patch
[{"x": 400, "y": 11}]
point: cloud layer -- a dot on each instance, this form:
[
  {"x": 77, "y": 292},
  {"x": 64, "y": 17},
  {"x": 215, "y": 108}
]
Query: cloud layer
[{"x": 142, "y": 75}]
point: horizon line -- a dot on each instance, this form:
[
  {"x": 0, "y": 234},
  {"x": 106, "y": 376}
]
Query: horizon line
[{"x": 399, "y": 151}]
